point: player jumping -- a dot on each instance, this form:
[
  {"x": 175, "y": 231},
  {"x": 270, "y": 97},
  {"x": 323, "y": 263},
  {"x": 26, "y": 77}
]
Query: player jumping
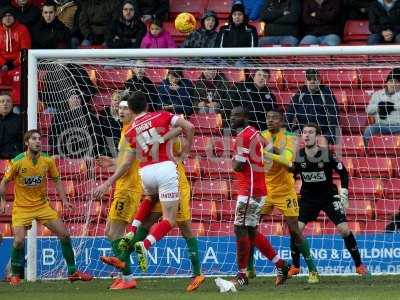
[
  {"x": 318, "y": 192},
  {"x": 29, "y": 171}
]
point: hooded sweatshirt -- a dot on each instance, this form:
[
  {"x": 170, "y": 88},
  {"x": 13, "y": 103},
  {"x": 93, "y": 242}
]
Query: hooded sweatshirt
[
  {"x": 385, "y": 108},
  {"x": 163, "y": 40},
  {"x": 203, "y": 38}
]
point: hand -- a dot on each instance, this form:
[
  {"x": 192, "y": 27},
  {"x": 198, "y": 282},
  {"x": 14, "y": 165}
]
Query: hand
[
  {"x": 105, "y": 161},
  {"x": 387, "y": 35},
  {"x": 313, "y": 14},
  {"x": 344, "y": 197},
  {"x": 99, "y": 192}
]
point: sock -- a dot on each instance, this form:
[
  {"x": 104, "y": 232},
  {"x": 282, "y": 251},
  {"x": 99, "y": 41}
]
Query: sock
[
  {"x": 68, "y": 254},
  {"x": 351, "y": 245},
  {"x": 157, "y": 232},
  {"x": 193, "y": 249},
  {"x": 140, "y": 235},
  {"x": 142, "y": 213},
  {"x": 304, "y": 249},
  {"x": 17, "y": 257},
  {"x": 294, "y": 251},
  {"x": 250, "y": 265},
  {"x": 243, "y": 252},
  {"x": 127, "y": 277},
  {"x": 125, "y": 258},
  {"x": 115, "y": 247}
]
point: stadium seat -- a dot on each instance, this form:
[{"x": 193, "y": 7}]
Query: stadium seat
[
  {"x": 221, "y": 7},
  {"x": 358, "y": 99},
  {"x": 219, "y": 229},
  {"x": 385, "y": 208},
  {"x": 270, "y": 228},
  {"x": 375, "y": 227},
  {"x": 354, "y": 123},
  {"x": 95, "y": 229},
  {"x": 201, "y": 146},
  {"x": 294, "y": 78},
  {"x": 192, "y": 167},
  {"x": 396, "y": 166},
  {"x": 348, "y": 163},
  {"x": 45, "y": 144},
  {"x": 391, "y": 188},
  {"x": 330, "y": 228},
  {"x": 233, "y": 75},
  {"x": 340, "y": 77},
  {"x": 77, "y": 229},
  {"x": 112, "y": 78},
  {"x": 206, "y": 123},
  {"x": 68, "y": 185},
  {"x": 373, "y": 167},
  {"x": 45, "y": 121},
  {"x": 216, "y": 168},
  {"x": 284, "y": 97},
  {"x": 226, "y": 210},
  {"x": 384, "y": 145},
  {"x": 203, "y": 210},
  {"x": 373, "y": 78},
  {"x": 102, "y": 99},
  {"x": 83, "y": 210},
  {"x": 71, "y": 168},
  {"x": 6, "y": 217},
  {"x": 312, "y": 228},
  {"x": 3, "y": 166},
  {"x": 260, "y": 26},
  {"x": 198, "y": 228},
  {"x": 192, "y": 75},
  {"x": 156, "y": 75},
  {"x": 351, "y": 146},
  {"x": 365, "y": 188},
  {"x": 84, "y": 189},
  {"x": 195, "y": 7},
  {"x": 341, "y": 99},
  {"x": 44, "y": 231},
  {"x": 222, "y": 146},
  {"x": 215, "y": 188},
  {"x": 360, "y": 210},
  {"x": 356, "y": 31},
  {"x": 6, "y": 229}
]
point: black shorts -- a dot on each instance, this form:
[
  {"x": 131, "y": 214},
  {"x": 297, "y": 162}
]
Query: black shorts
[{"x": 310, "y": 208}]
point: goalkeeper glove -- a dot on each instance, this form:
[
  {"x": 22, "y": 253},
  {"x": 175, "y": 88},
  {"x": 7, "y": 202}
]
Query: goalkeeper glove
[{"x": 344, "y": 197}]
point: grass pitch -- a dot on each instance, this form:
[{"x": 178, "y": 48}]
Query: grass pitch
[{"x": 330, "y": 288}]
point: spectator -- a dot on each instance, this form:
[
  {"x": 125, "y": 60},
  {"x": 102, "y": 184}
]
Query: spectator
[
  {"x": 256, "y": 96},
  {"x": 94, "y": 17},
  {"x": 206, "y": 36},
  {"x": 66, "y": 10},
  {"x": 322, "y": 22},
  {"x": 314, "y": 103},
  {"x": 140, "y": 82},
  {"x": 175, "y": 94},
  {"x": 252, "y": 8},
  {"x": 127, "y": 31},
  {"x": 110, "y": 124},
  {"x": 152, "y": 9},
  {"x": 385, "y": 108},
  {"x": 283, "y": 18},
  {"x": 238, "y": 33},
  {"x": 384, "y": 22},
  {"x": 13, "y": 37},
  {"x": 358, "y": 9},
  {"x": 26, "y": 13},
  {"x": 50, "y": 32},
  {"x": 10, "y": 129},
  {"x": 157, "y": 37}
]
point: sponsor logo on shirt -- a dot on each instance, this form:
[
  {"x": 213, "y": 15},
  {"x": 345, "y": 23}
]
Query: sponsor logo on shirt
[
  {"x": 314, "y": 176},
  {"x": 33, "y": 180}
]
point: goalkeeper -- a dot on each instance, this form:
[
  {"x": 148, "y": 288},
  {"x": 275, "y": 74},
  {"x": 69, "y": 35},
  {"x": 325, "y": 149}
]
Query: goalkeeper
[{"x": 318, "y": 192}]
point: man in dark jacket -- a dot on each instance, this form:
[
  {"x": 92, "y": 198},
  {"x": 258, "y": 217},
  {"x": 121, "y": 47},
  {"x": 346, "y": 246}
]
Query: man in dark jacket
[
  {"x": 50, "y": 32},
  {"x": 358, "y": 9},
  {"x": 152, "y": 9},
  {"x": 128, "y": 30},
  {"x": 384, "y": 22},
  {"x": 322, "y": 21},
  {"x": 314, "y": 103},
  {"x": 283, "y": 22},
  {"x": 10, "y": 129},
  {"x": 256, "y": 96},
  {"x": 206, "y": 36},
  {"x": 238, "y": 33},
  {"x": 26, "y": 13}
]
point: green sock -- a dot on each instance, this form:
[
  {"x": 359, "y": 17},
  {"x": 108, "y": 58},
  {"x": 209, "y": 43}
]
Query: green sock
[
  {"x": 115, "y": 247},
  {"x": 17, "y": 255},
  {"x": 193, "y": 248},
  {"x": 250, "y": 265},
  {"x": 304, "y": 249},
  {"x": 68, "y": 254}
]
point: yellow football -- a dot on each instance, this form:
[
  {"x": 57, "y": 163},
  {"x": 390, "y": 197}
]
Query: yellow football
[{"x": 185, "y": 22}]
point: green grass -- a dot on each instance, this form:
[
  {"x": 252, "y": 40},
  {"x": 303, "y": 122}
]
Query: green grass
[{"x": 330, "y": 288}]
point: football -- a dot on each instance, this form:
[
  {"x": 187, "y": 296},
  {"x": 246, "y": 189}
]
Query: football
[{"x": 185, "y": 22}]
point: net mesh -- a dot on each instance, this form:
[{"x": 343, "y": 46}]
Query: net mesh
[{"x": 78, "y": 121}]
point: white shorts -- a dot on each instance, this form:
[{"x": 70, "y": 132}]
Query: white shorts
[
  {"x": 162, "y": 179},
  {"x": 248, "y": 210}
]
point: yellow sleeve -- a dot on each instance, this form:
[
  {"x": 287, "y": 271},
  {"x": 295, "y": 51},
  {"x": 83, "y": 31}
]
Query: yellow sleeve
[
  {"x": 53, "y": 170},
  {"x": 285, "y": 158},
  {"x": 11, "y": 171}
]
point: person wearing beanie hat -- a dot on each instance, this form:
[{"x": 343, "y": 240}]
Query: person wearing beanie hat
[
  {"x": 238, "y": 33},
  {"x": 13, "y": 37},
  {"x": 206, "y": 36}
]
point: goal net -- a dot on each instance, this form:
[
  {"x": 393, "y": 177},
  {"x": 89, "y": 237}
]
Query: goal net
[{"x": 75, "y": 110}]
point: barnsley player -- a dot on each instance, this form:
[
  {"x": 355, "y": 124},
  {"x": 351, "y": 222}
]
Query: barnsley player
[
  {"x": 149, "y": 136},
  {"x": 318, "y": 192},
  {"x": 29, "y": 171},
  {"x": 279, "y": 155},
  {"x": 249, "y": 173}
]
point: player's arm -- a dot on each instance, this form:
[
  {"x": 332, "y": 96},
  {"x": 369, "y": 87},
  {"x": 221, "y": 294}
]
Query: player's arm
[
  {"x": 344, "y": 180},
  {"x": 8, "y": 176},
  {"x": 285, "y": 157},
  {"x": 55, "y": 175},
  {"x": 188, "y": 130}
]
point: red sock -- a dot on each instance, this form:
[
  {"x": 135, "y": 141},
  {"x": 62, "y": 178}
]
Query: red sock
[
  {"x": 243, "y": 252},
  {"x": 266, "y": 249},
  {"x": 142, "y": 213},
  {"x": 157, "y": 232}
]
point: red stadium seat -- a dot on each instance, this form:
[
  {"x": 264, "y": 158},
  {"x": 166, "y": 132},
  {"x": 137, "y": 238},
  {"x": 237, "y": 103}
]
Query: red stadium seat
[
  {"x": 206, "y": 123},
  {"x": 360, "y": 210},
  {"x": 391, "y": 188},
  {"x": 6, "y": 229},
  {"x": 356, "y": 31},
  {"x": 203, "y": 188},
  {"x": 365, "y": 188},
  {"x": 77, "y": 229},
  {"x": 156, "y": 75},
  {"x": 271, "y": 228},
  {"x": 204, "y": 210},
  {"x": 102, "y": 99},
  {"x": 222, "y": 146},
  {"x": 68, "y": 185},
  {"x": 226, "y": 210},
  {"x": 71, "y": 168},
  {"x": 284, "y": 97},
  {"x": 235, "y": 75},
  {"x": 340, "y": 78},
  {"x": 201, "y": 146},
  {"x": 375, "y": 227},
  {"x": 221, "y": 7},
  {"x": 112, "y": 78},
  {"x": 84, "y": 189},
  {"x": 198, "y": 228},
  {"x": 354, "y": 124},
  {"x": 84, "y": 209},
  {"x": 220, "y": 229},
  {"x": 195, "y": 7},
  {"x": 216, "y": 168},
  {"x": 294, "y": 78},
  {"x": 45, "y": 121},
  {"x": 358, "y": 99},
  {"x": 260, "y": 26},
  {"x": 3, "y": 166},
  {"x": 396, "y": 166},
  {"x": 385, "y": 145},
  {"x": 330, "y": 228},
  {"x": 372, "y": 167},
  {"x": 192, "y": 75},
  {"x": 373, "y": 78},
  {"x": 312, "y": 228},
  {"x": 192, "y": 167},
  {"x": 385, "y": 209},
  {"x": 6, "y": 217},
  {"x": 352, "y": 146},
  {"x": 341, "y": 98}
]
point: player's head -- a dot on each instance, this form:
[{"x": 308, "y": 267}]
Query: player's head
[
  {"x": 310, "y": 134},
  {"x": 32, "y": 141},
  {"x": 239, "y": 117},
  {"x": 137, "y": 102},
  {"x": 312, "y": 80},
  {"x": 274, "y": 121},
  {"x": 124, "y": 113}
]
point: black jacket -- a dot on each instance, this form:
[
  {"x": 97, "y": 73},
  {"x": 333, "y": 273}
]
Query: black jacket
[
  {"x": 157, "y": 8},
  {"x": 10, "y": 136},
  {"x": 278, "y": 23},
  {"x": 146, "y": 86},
  {"x": 125, "y": 33},
  {"x": 257, "y": 101},
  {"x": 50, "y": 36},
  {"x": 111, "y": 131},
  {"x": 243, "y": 35},
  {"x": 380, "y": 20},
  {"x": 202, "y": 38},
  {"x": 320, "y": 108},
  {"x": 358, "y": 9},
  {"x": 28, "y": 15}
]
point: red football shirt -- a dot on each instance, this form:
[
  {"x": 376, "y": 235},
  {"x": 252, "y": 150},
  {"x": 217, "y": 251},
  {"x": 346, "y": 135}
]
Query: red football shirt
[
  {"x": 248, "y": 150},
  {"x": 147, "y": 129}
]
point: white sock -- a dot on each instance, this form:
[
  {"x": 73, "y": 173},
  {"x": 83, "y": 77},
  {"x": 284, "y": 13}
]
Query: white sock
[{"x": 127, "y": 277}]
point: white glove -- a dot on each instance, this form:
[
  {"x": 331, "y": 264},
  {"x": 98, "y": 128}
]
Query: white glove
[{"x": 344, "y": 197}]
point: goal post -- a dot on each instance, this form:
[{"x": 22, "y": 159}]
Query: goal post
[{"x": 212, "y": 221}]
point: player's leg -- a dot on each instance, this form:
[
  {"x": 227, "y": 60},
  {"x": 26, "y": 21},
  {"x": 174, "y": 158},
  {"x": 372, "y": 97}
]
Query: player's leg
[
  {"x": 57, "y": 226},
  {"x": 17, "y": 254},
  {"x": 295, "y": 253}
]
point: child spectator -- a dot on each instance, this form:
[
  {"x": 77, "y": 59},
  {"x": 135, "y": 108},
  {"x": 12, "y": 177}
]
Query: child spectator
[
  {"x": 206, "y": 36},
  {"x": 128, "y": 30},
  {"x": 157, "y": 37}
]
